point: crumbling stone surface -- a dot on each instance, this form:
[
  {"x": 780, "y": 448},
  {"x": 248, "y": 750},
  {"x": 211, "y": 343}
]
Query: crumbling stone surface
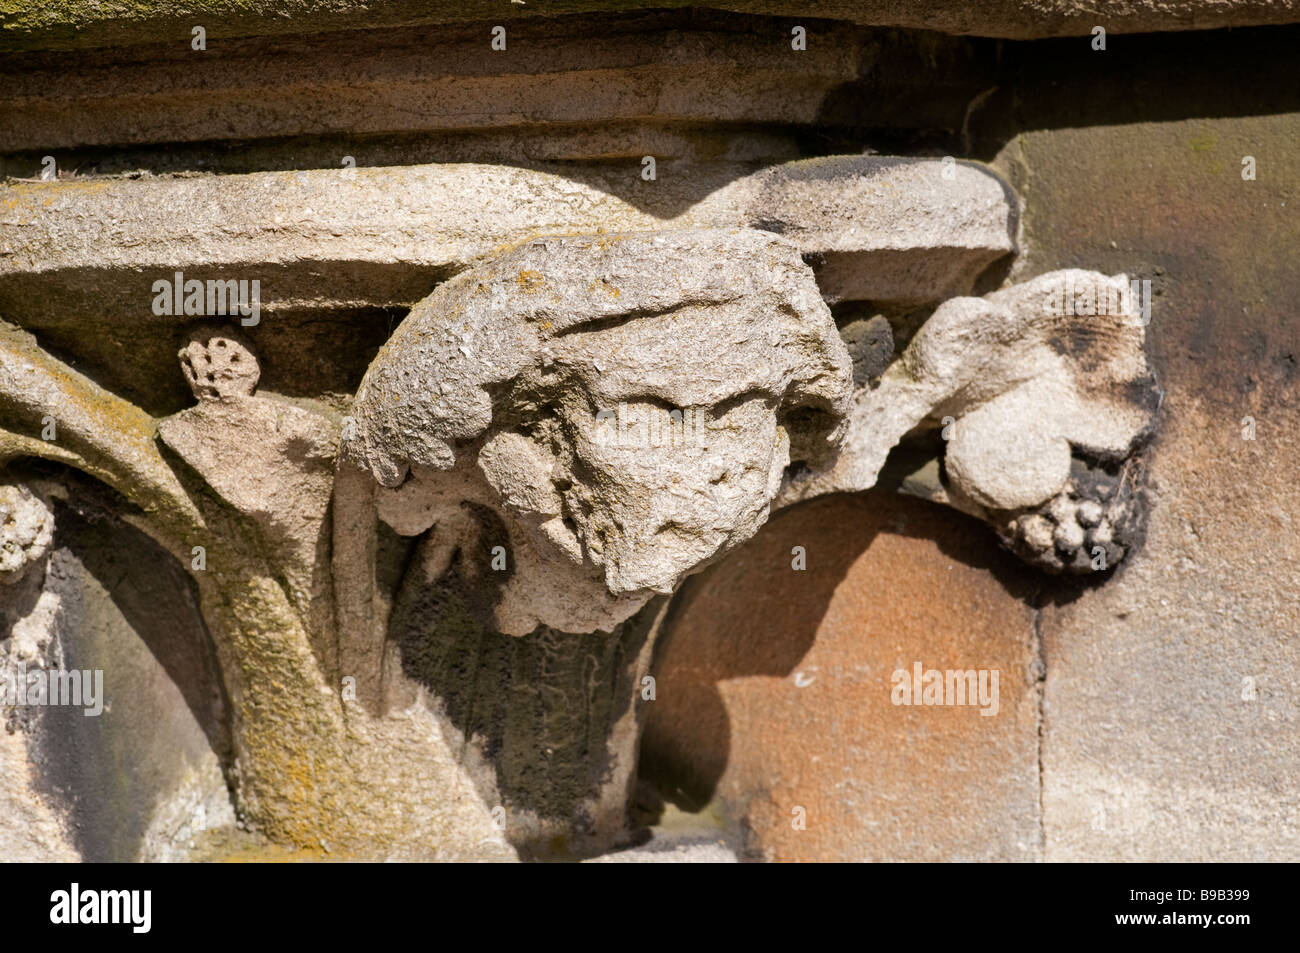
[
  {"x": 26, "y": 531},
  {"x": 531, "y": 382}
]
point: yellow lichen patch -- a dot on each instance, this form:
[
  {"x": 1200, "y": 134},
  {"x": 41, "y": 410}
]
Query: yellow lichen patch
[
  {"x": 530, "y": 280},
  {"x": 608, "y": 239}
]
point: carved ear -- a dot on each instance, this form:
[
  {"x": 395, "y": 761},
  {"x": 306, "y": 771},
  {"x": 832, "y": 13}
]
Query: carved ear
[{"x": 520, "y": 471}]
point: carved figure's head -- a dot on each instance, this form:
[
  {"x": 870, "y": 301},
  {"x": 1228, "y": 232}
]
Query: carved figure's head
[
  {"x": 219, "y": 365},
  {"x": 628, "y": 405}
]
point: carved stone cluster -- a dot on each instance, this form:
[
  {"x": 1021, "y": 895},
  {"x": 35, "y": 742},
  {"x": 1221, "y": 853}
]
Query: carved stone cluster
[{"x": 1087, "y": 527}]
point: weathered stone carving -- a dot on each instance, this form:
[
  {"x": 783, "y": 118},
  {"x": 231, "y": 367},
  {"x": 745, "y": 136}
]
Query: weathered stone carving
[
  {"x": 884, "y": 230},
  {"x": 26, "y": 537},
  {"x": 219, "y": 366},
  {"x": 29, "y": 828},
  {"x": 270, "y": 459},
  {"x": 567, "y": 427},
  {"x": 499, "y": 378},
  {"x": 1028, "y": 387}
]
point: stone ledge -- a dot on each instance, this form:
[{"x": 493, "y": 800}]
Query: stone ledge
[{"x": 897, "y": 230}]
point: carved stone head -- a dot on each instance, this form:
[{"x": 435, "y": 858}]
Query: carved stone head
[
  {"x": 219, "y": 365},
  {"x": 627, "y": 404}
]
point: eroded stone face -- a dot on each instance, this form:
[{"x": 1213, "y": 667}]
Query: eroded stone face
[
  {"x": 219, "y": 365},
  {"x": 1032, "y": 374},
  {"x": 628, "y": 404},
  {"x": 1021, "y": 384}
]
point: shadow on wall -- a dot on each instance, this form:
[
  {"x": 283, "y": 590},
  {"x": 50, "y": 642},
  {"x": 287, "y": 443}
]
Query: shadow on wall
[
  {"x": 541, "y": 708},
  {"x": 127, "y": 608},
  {"x": 755, "y": 615}
]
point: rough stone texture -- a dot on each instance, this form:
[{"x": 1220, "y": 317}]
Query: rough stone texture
[
  {"x": 774, "y": 690},
  {"x": 31, "y": 828},
  {"x": 28, "y": 611},
  {"x": 1167, "y": 729},
  {"x": 546, "y": 367},
  {"x": 128, "y": 783},
  {"x": 416, "y": 95},
  {"x": 427, "y": 79},
  {"x": 1156, "y": 747},
  {"x": 78, "y": 251},
  {"x": 219, "y": 365},
  {"x": 29, "y": 24},
  {"x": 26, "y": 530}
]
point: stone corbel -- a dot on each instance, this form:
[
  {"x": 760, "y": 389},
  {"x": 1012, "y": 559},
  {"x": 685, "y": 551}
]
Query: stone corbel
[
  {"x": 494, "y": 426},
  {"x": 508, "y": 388},
  {"x": 444, "y": 603}
]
